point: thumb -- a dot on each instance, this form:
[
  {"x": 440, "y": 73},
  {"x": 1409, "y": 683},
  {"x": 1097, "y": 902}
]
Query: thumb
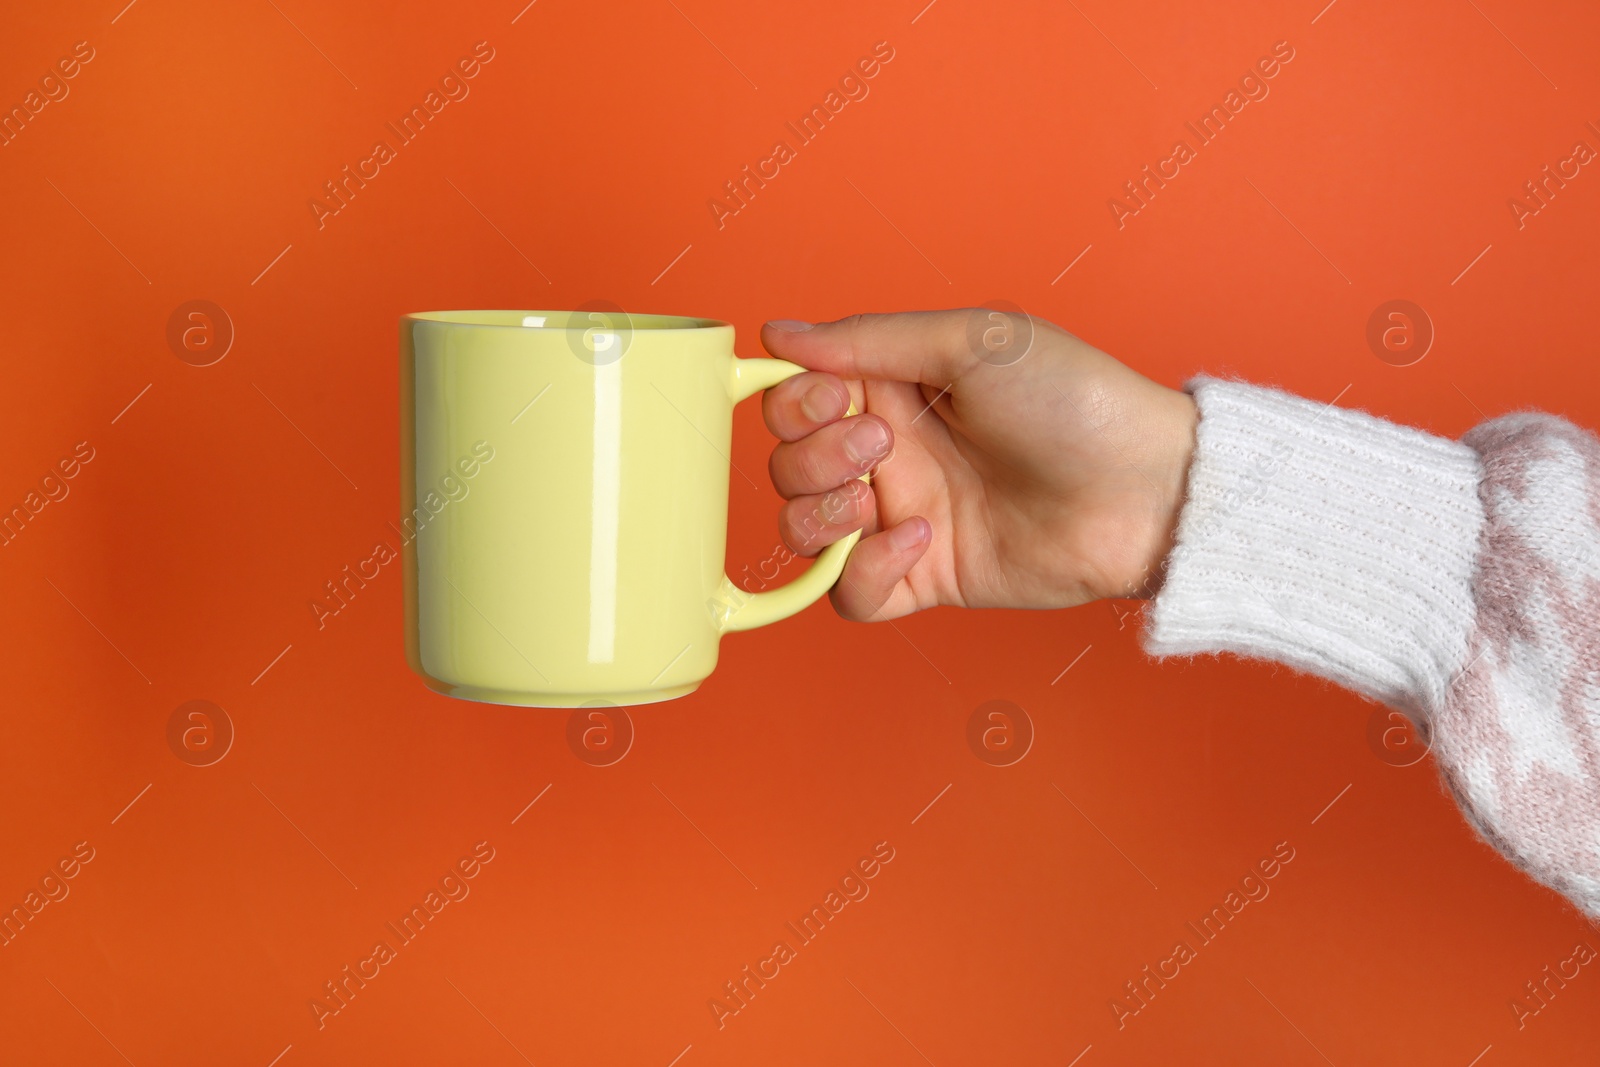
[{"x": 931, "y": 347}]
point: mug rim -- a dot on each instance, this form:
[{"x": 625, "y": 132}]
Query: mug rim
[{"x": 504, "y": 319}]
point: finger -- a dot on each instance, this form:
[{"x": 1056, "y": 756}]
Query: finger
[
  {"x": 932, "y": 347},
  {"x": 797, "y": 406},
  {"x": 832, "y": 456},
  {"x": 870, "y": 589},
  {"x": 808, "y": 524}
]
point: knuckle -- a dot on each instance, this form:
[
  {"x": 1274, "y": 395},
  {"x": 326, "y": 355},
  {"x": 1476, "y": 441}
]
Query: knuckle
[
  {"x": 845, "y": 604},
  {"x": 813, "y": 467},
  {"x": 844, "y": 504},
  {"x": 772, "y": 406},
  {"x": 802, "y": 527},
  {"x": 854, "y": 327},
  {"x": 789, "y": 532},
  {"x": 785, "y": 468},
  {"x": 854, "y": 601}
]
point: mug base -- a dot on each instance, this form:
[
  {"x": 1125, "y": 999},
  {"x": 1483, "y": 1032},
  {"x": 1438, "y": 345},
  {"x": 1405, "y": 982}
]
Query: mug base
[{"x": 522, "y": 699}]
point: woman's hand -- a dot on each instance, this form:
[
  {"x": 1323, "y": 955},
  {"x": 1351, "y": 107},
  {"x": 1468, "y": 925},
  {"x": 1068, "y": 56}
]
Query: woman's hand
[{"x": 1014, "y": 466}]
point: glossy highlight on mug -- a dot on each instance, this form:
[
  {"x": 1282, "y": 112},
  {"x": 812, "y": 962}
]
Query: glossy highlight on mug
[{"x": 589, "y": 564}]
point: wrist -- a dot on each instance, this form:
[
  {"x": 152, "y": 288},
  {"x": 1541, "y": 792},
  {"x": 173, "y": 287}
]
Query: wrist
[{"x": 1167, "y": 456}]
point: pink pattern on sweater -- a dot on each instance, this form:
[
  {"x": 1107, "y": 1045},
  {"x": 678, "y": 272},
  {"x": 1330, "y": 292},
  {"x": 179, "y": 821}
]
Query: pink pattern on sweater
[{"x": 1518, "y": 738}]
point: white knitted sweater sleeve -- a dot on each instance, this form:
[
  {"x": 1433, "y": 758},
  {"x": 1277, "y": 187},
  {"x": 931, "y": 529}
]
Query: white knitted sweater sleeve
[{"x": 1455, "y": 581}]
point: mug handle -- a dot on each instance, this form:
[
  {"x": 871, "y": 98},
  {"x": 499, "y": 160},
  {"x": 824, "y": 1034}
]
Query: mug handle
[{"x": 736, "y": 609}]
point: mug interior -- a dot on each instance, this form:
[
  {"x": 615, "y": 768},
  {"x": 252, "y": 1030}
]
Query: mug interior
[{"x": 610, "y": 319}]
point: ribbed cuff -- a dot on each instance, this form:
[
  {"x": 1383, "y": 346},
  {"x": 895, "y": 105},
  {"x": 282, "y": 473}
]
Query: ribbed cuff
[{"x": 1326, "y": 539}]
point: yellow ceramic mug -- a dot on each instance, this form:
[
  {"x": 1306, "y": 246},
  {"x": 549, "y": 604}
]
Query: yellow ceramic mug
[{"x": 564, "y": 493}]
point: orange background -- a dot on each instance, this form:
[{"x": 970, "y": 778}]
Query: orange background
[{"x": 979, "y": 167}]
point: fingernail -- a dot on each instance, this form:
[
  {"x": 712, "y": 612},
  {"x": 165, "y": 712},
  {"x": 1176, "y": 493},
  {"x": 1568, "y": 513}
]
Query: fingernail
[
  {"x": 866, "y": 441},
  {"x": 821, "y": 404},
  {"x": 789, "y": 325},
  {"x": 907, "y": 535}
]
